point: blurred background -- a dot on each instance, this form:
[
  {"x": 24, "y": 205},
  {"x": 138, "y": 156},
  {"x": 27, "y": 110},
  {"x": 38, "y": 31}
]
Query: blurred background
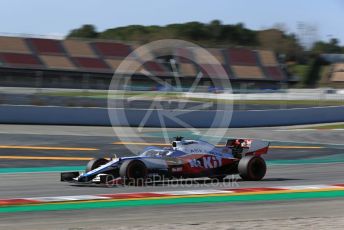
[{"x": 276, "y": 54}]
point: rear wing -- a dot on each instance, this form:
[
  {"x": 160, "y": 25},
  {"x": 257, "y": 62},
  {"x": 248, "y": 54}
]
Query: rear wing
[{"x": 249, "y": 146}]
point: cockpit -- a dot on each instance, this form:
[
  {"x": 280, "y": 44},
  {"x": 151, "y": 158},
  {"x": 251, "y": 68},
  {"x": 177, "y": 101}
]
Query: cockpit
[
  {"x": 183, "y": 143},
  {"x": 162, "y": 153},
  {"x": 156, "y": 153}
]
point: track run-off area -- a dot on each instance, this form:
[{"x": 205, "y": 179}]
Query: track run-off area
[{"x": 305, "y": 168}]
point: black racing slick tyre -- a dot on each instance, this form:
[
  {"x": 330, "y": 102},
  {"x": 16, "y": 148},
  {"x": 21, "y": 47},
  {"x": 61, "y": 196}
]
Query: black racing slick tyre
[
  {"x": 252, "y": 168},
  {"x": 133, "y": 172},
  {"x": 95, "y": 163}
]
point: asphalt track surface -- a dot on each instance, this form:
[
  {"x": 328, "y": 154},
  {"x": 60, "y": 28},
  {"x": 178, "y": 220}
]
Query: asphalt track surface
[{"x": 286, "y": 166}]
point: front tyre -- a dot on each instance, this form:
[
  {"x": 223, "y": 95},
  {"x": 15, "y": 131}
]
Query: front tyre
[
  {"x": 95, "y": 163},
  {"x": 252, "y": 168},
  {"x": 133, "y": 172}
]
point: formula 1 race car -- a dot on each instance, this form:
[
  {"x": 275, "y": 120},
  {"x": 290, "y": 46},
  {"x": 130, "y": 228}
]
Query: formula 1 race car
[{"x": 184, "y": 159}]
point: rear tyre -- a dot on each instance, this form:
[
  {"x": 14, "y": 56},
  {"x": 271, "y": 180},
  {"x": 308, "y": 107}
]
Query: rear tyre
[
  {"x": 95, "y": 163},
  {"x": 133, "y": 172},
  {"x": 252, "y": 168}
]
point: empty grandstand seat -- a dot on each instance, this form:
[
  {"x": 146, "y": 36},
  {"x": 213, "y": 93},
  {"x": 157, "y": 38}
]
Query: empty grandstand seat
[
  {"x": 338, "y": 72},
  {"x": 267, "y": 58},
  {"x": 112, "y": 49},
  {"x": 202, "y": 57},
  {"x": 218, "y": 54},
  {"x": 187, "y": 69},
  {"x": 130, "y": 66},
  {"x": 186, "y": 66},
  {"x": 270, "y": 65},
  {"x": 241, "y": 56},
  {"x": 337, "y": 77},
  {"x": 184, "y": 55},
  {"x": 91, "y": 63},
  {"x": 211, "y": 62},
  {"x": 113, "y": 63},
  {"x": 248, "y": 72},
  {"x": 156, "y": 68},
  {"x": 13, "y": 44},
  {"x": 20, "y": 60},
  {"x": 46, "y": 46},
  {"x": 143, "y": 53},
  {"x": 338, "y": 67},
  {"x": 213, "y": 70},
  {"x": 57, "y": 62},
  {"x": 275, "y": 73},
  {"x": 151, "y": 64},
  {"x": 78, "y": 48}
]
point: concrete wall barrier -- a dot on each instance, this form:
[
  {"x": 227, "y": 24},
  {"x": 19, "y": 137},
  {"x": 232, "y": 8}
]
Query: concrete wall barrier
[{"x": 133, "y": 117}]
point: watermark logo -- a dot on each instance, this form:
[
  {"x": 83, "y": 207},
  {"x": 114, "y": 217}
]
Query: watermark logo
[
  {"x": 169, "y": 84},
  {"x": 231, "y": 181}
]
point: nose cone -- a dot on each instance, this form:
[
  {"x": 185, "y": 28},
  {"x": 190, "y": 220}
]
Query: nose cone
[{"x": 82, "y": 178}]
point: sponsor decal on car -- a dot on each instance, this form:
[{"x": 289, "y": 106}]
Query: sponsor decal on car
[
  {"x": 177, "y": 169},
  {"x": 206, "y": 162}
]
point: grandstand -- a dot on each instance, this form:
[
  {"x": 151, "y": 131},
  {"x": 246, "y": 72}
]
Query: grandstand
[
  {"x": 337, "y": 72},
  {"x": 72, "y": 63},
  {"x": 332, "y": 73},
  {"x": 244, "y": 64}
]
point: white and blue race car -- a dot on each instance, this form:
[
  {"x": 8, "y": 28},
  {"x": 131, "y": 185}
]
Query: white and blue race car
[{"x": 183, "y": 159}]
